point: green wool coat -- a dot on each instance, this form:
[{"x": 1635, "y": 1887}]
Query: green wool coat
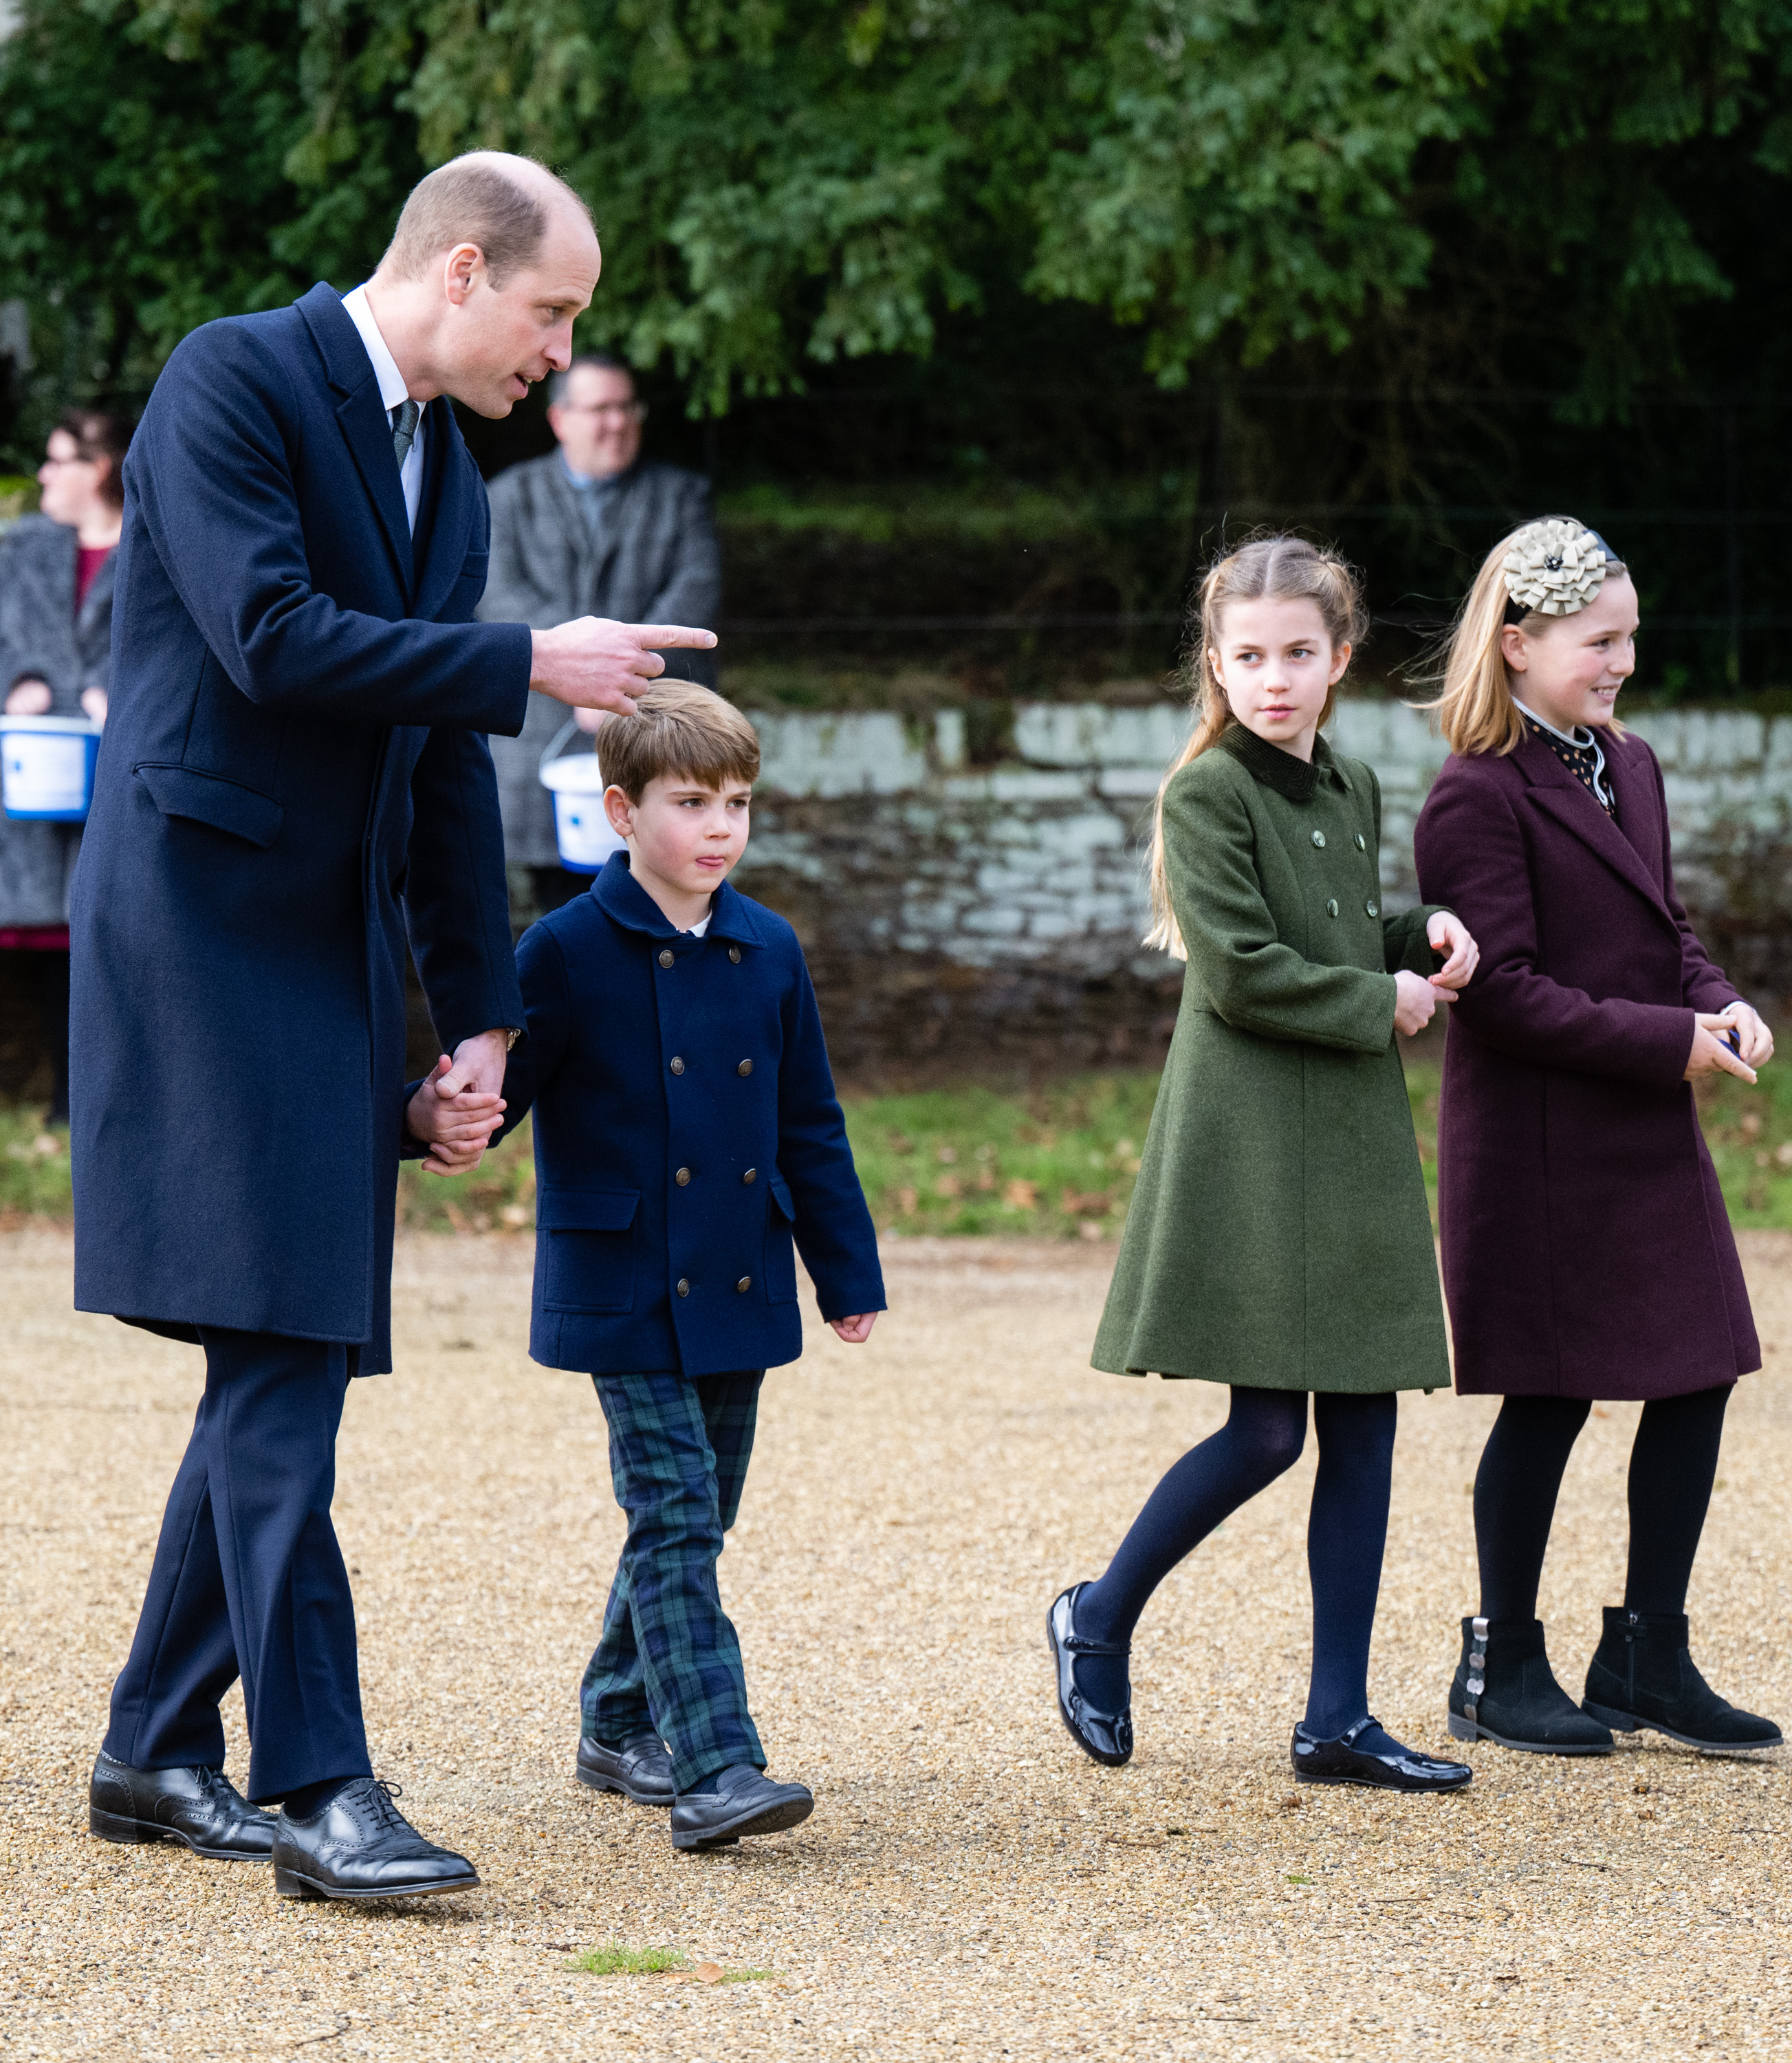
[{"x": 1279, "y": 1238}]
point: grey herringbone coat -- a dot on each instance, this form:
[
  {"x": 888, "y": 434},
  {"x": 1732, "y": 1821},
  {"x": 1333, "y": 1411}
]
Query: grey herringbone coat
[
  {"x": 41, "y": 636},
  {"x": 655, "y": 560}
]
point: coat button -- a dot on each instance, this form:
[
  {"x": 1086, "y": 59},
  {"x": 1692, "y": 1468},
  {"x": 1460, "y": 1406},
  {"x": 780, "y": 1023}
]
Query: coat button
[
  {"x": 666, "y": 957},
  {"x": 745, "y": 1068},
  {"x": 743, "y": 1284},
  {"x": 734, "y": 954},
  {"x": 1362, "y": 842},
  {"x": 682, "y": 1178},
  {"x": 1374, "y": 908},
  {"x": 678, "y": 1065},
  {"x": 1332, "y": 907},
  {"x": 684, "y": 1287},
  {"x": 1318, "y": 839},
  {"x": 752, "y": 1175}
]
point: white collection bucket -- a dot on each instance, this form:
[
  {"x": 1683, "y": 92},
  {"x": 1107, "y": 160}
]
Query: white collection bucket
[
  {"x": 582, "y": 830},
  {"x": 46, "y": 767}
]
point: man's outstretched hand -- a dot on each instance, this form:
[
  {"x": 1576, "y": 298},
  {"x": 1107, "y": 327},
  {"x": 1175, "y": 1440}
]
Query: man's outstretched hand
[
  {"x": 458, "y": 1106},
  {"x": 593, "y": 663}
]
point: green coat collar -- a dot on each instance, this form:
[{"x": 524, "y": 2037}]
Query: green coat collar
[{"x": 1289, "y": 777}]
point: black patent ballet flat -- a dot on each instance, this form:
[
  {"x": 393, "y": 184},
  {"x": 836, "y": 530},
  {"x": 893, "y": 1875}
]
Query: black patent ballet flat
[
  {"x": 1105, "y": 1737},
  {"x": 1341, "y": 1761}
]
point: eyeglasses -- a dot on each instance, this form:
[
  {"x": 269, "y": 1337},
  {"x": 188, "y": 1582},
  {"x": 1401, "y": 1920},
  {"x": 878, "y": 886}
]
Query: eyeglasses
[{"x": 610, "y": 411}]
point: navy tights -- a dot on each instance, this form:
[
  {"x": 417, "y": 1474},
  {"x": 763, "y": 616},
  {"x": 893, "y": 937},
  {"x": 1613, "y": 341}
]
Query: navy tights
[{"x": 1346, "y": 1533}]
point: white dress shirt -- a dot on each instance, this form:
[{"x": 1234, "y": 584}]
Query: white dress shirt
[{"x": 392, "y": 391}]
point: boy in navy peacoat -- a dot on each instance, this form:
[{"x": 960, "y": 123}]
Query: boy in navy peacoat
[{"x": 688, "y": 1143}]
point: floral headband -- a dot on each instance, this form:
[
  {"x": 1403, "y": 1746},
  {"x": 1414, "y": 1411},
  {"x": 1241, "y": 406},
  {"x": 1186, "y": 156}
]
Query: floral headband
[{"x": 1555, "y": 568}]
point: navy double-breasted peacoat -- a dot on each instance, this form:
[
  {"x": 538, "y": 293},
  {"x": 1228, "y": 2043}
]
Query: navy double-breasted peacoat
[
  {"x": 686, "y": 1129},
  {"x": 293, "y": 775},
  {"x": 1586, "y": 1250}
]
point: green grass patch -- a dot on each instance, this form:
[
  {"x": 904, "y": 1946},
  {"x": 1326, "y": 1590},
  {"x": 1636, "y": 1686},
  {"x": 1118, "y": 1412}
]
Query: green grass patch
[
  {"x": 611, "y": 1959},
  {"x": 33, "y": 1167},
  {"x": 498, "y": 1195}
]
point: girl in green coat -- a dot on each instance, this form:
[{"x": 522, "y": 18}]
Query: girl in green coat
[{"x": 1278, "y": 1239}]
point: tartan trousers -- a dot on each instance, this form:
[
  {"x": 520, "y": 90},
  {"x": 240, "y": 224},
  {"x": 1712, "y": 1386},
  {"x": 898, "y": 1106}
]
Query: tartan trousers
[{"x": 669, "y": 1661}]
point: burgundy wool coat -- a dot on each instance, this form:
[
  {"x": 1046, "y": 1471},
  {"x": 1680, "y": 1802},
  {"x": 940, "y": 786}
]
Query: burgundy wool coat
[{"x": 1586, "y": 1250}]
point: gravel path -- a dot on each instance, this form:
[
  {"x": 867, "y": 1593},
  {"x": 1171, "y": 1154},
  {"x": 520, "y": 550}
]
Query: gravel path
[{"x": 969, "y": 1883}]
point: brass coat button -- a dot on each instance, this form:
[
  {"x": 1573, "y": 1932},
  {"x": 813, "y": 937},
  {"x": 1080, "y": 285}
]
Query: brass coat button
[
  {"x": 734, "y": 954},
  {"x": 1362, "y": 842},
  {"x": 745, "y": 1068},
  {"x": 1318, "y": 839},
  {"x": 752, "y": 1175},
  {"x": 678, "y": 1065},
  {"x": 684, "y": 1287},
  {"x": 743, "y": 1284},
  {"x": 1332, "y": 907},
  {"x": 666, "y": 957},
  {"x": 1374, "y": 908},
  {"x": 682, "y": 1178}
]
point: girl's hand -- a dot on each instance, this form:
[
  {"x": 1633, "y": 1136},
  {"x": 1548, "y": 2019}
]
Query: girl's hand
[
  {"x": 857, "y": 1330},
  {"x": 1757, "y": 1041},
  {"x": 1446, "y": 933},
  {"x": 1711, "y": 1054},
  {"x": 456, "y": 1128},
  {"x": 1416, "y": 1001}
]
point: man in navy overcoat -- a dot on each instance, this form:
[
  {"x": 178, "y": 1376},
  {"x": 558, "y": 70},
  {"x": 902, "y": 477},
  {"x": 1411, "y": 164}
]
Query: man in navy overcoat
[{"x": 294, "y": 781}]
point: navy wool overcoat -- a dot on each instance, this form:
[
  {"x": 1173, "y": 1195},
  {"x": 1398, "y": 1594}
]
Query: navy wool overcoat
[
  {"x": 293, "y": 774},
  {"x": 1586, "y": 1250},
  {"x": 686, "y": 1129}
]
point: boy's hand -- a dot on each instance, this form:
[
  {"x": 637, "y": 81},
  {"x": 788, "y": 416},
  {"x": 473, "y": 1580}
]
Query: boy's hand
[
  {"x": 855, "y": 1331},
  {"x": 455, "y": 1126},
  {"x": 1446, "y": 933}
]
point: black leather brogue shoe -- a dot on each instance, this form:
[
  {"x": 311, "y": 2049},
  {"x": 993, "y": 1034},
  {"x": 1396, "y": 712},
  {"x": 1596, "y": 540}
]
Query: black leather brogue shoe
[
  {"x": 639, "y": 1769},
  {"x": 1392, "y": 1767},
  {"x": 741, "y": 1801},
  {"x": 360, "y": 1845},
  {"x": 201, "y": 1808},
  {"x": 1105, "y": 1737}
]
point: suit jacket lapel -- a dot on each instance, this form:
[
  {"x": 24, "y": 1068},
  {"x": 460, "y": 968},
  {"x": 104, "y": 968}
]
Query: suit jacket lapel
[
  {"x": 444, "y": 513},
  {"x": 364, "y": 422},
  {"x": 1555, "y": 790}
]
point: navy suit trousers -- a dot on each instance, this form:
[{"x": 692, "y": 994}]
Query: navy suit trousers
[
  {"x": 248, "y": 1580},
  {"x": 670, "y": 1660}
]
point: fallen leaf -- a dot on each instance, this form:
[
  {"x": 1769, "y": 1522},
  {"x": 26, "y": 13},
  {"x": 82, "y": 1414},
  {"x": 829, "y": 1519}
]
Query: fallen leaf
[{"x": 708, "y": 1973}]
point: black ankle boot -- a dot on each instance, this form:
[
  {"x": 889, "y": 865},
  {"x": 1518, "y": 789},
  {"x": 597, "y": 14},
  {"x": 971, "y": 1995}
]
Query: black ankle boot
[
  {"x": 1643, "y": 1675},
  {"x": 1504, "y": 1691}
]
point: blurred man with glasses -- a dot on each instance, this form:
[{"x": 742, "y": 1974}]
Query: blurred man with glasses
[{"x": 594, "y": 529}]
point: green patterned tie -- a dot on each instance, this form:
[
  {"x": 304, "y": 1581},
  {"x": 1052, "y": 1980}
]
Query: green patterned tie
[{"x": 404, "y": 428}]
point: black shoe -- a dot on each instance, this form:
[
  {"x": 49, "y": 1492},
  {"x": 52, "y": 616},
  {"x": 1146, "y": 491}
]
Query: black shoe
[
  {"x": 1643, "y": 1675},
  {"x": 639, "y": 1769},
  {"x": 1504, "y": 1691},
  {"x": 200, "y": 1807},
  {"x": 1105, "y": 1737},
  {"x": 739, "y": 1800},
  {"x": 1341, "y": 1761},
  {"x": 360, "y": 1845}
]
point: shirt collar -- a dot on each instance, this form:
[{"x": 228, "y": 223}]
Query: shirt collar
[
  {"x": 1579, "y": 739},
  {"x": 392, "y": 388}
]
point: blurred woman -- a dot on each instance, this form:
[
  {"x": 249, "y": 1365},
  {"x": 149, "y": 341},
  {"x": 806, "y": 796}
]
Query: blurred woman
[{"x": 55, "y": 660}]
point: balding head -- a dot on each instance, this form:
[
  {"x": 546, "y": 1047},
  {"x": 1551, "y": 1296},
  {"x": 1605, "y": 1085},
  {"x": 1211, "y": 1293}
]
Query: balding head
[{"x": 502, "y": 204}]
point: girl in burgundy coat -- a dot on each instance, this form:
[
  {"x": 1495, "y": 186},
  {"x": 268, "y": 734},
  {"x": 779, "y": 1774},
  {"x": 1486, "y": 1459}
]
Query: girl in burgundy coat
[{"x": 1567, "y": 1120}]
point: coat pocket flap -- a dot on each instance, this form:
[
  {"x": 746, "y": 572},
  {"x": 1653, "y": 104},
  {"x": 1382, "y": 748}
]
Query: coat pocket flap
[
  {"x": 586, "y": 1210},
  {"x": 781, "y": 1195},
  {"x": 209, "y": 799}
]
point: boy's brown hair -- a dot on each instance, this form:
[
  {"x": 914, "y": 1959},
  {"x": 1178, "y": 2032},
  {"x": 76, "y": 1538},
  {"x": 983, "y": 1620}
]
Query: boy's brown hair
[{"x": 680, "y": 730}]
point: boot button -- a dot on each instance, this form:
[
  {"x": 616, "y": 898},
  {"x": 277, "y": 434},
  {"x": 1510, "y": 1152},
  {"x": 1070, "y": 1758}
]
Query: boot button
[
  {"x": 684, "y": 1287},
  {"x": 734, "y": 954},
  {"x": 682, "y": 1177},
  {"x": 752, "y": 1175},
  {"x": 666, "y": 957},
  {"x": 678, "y": 1065},
  {"x": 743, "y": 1284},
  {"x": 745, "y": 1068}
]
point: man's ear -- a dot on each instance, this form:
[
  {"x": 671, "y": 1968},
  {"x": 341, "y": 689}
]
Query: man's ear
[{"x": 461, "y": 270}]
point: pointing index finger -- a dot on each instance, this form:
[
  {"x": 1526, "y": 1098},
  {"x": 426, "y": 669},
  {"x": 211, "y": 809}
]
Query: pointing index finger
[{"x": 653, "y": 636}]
